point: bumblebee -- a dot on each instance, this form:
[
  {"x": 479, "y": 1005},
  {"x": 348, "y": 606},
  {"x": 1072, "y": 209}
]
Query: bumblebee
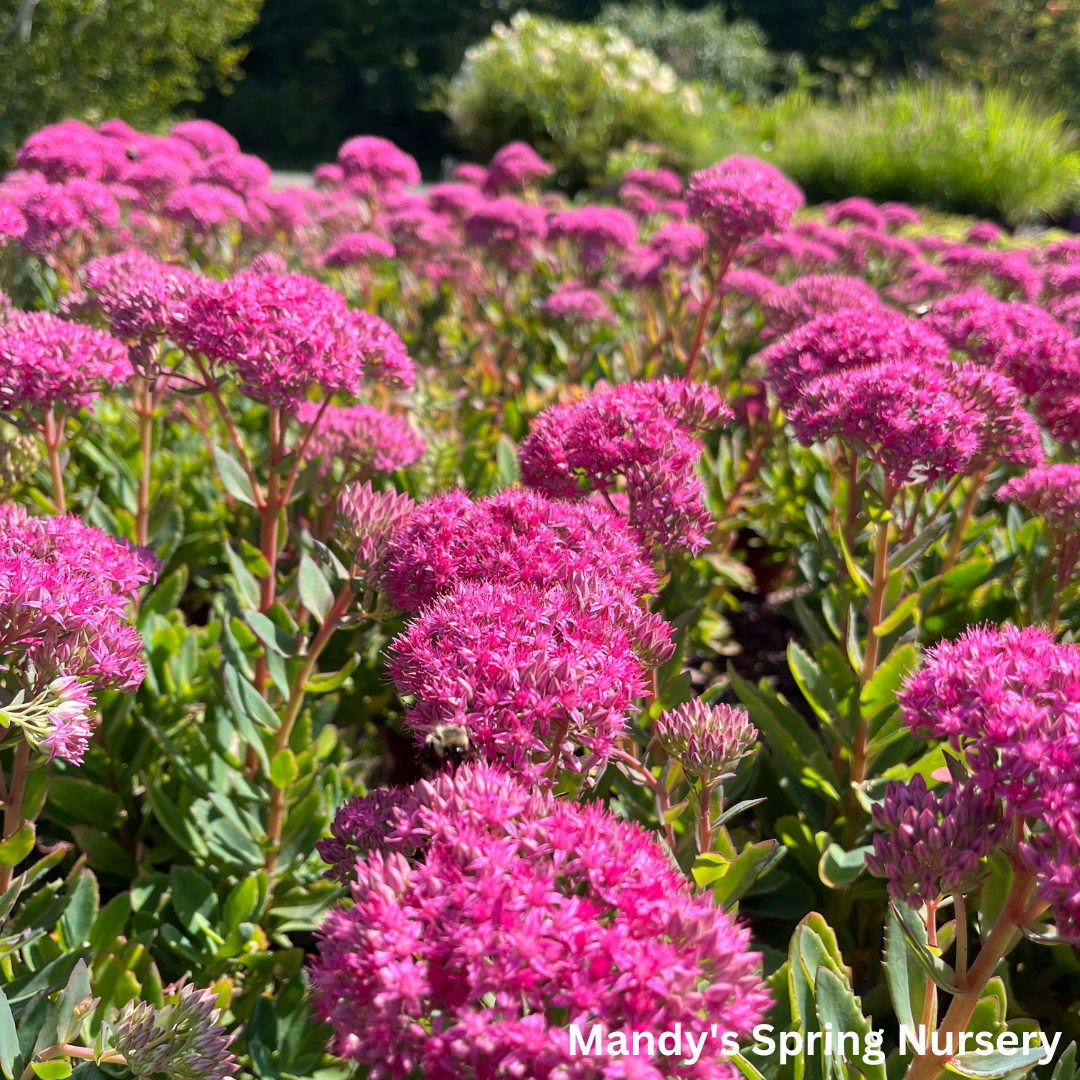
[{"x": 446, "y": 744}]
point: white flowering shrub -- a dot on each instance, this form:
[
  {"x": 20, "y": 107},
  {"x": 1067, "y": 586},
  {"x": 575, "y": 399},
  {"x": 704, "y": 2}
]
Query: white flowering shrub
[{"x": 574, "y": 91}]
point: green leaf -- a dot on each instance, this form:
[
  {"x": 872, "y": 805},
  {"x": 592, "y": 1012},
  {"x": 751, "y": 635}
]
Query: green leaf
[
  {"x": 915, "y": 931},
  {"x": 9, "y": 1038},
  {"x": 858, "y": 576},
  {"x": 789, "y": 734},
  {"x": 914, "y": 549},
  {"x": 815, "y": 687},
  {"x": 254, "y": 560},
  {"x": 905, "y": 975},
  {"x": 109, "y": 924},
  {"x": 880, "y": 691},
  {"x": 69, "y": 1019},
  {"x": 744, "y": 1066},
  {"x": 274, "y": 638},
  {"x": 897, "y": 615},
  {"x": 51, "y": 1070},
  {"x": 81, "y": 911},
  {"x": 241, "y": 903},
  {"x": 836, "y": 1005},
  {"x": 839, "y": 868},
  {"x": 176, "y": 824},
  {"x": 75, "y": 801},
  {"x": 507, "y": 459},
  {"x": 17, "y": 846},
  {"x": 315, "y": 594},
  {"x": 247, "y": 587},
  {"x": 233, "y": 478},
  {"x": 192, "y": 895},
  {"x": 283, "y": 768},
  {"x": 998, "y": 1064},
  {"x": 246, "y": 699},
  {"x": 167, "y": 595},
  {"x": 334, "y": 680},
  {"x": 729, "y": 880},
  {"x": 673, "y": 813}
]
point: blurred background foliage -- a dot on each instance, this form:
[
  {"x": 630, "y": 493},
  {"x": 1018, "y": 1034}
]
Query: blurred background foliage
[{"x": 967, "y": 105}]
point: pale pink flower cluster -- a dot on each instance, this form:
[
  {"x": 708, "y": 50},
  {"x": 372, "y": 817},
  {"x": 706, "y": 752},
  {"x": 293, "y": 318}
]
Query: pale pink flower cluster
[
  {"x": 1051, "y": 491},
  {"x": 490, "y": 917},
  {"x": 596, "y": 231},
  {"x": 366, "y": 521},
  {"x": 577, "y": 303},
  {"x": 641, "y": 435}
]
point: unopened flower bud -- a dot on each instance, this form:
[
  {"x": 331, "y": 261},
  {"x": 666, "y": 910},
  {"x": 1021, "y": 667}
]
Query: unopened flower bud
[{"x": 707, "y": 740}]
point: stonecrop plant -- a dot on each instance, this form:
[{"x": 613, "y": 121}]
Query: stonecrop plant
[{"x": 457, "y": 632}]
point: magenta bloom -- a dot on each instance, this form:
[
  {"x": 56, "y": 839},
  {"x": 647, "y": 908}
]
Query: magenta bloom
[
  {"x": 515, "y": 167},
  {"x": 1051, "y": 491},
  {"x": 156, "y": 175},
  {"x": 1007, "y": 431},
  {"x": 509, "y": 229},
  {"x": 362, "y": 438},
  {"x": 643, "y": 432},
  {"x": 12, "y": 223},
  {"x": 903, "y": 415},
  {"x": 243, "y": 173},
  {"x": 46, "y": 362},
  {"x": 740, "y": 198},
  {"x": 749, "y": 284},
  {"x": 523, "y": 906},
  {"x": 56, "y": 213},
  {"x": 679, "y": 243},
  {"x": 597, "y": 231},
  {"x": 984, "y": 233},
  {"x": 469, "y": 173},
  {"x": 69, "y": 150},
  {"x": 142, "y": 298},
  {"x": 366, "y": 521},
  {"x": 846, "y": 340},
  {"x": 204, "y": 207},
  {"x": 279, "y": 334},
  {"x": 64, "y": 588},
  {"x": 788, "y": 306},
  {"x": 358, "y": 247},
  {"x": 207, "y": 137},
  {"x": 379, "y": 167},
  {"x": 856, "y": 211},
  {"x": 897, "y": 215},
  {"x": 1019, "y": 340},
  {"x": 514, "y": 537},
  {"x": 528, "y": 672},
  {"x": 454, "y": 199},
  {"x": 664, "y": 183},
  {"x": 578, "y": 304}
]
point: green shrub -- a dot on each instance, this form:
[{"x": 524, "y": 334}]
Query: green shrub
[
  {"x": 574, "y": 91},
  {"x": 700, "y": 45},
  {"x": 994, "y": 153},
  {"x": 136, "y": 59}
]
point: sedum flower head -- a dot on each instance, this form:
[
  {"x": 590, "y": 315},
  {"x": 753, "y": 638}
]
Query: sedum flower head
[
  {"x": 847, "y": 339},
  {"x": 376, "y": 166},
  {"x": 934, "y": 842},
  {"x": 492, "y": 916},
  {"x": 1051, "y": 491},
  {"x": 575, "y": 303},
  {"x": 180, "y": 1039},
  {"x": 902, "y": 415},
  {"x": 362, "y": 438},
  {"x": 46, "y": 361},
  {"x": 206, "y": 137},
  {"x": 597, "y": 231},
  {"x": 510, "y": 230},
  {"x": 528, "y": 672},
  {"x": 514, "y": 537},
  {"x": 788, "y": 306},
  {"x": 204, "y": 207},
  {"x": 515, "y": 167},
  {"x": 707, "y": 740},
  {"x": 357, "y": 247},
  {"x": 740, "y": 198},
  {"x": 642, "y": 434}
]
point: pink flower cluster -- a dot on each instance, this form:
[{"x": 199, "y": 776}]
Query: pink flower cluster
[
  {"x": 64, "y": 589},
  {"x": 526, "y": 913},
  {"x": 516, "y": 537},
  {"x": 516, "y": 167},
  {"x": 642, "y": 434},
  {"x": 596, "y": 231},
  {"x": 361, "y": 438},
  {"x": 1051, "y": 491},
  {"x": 46, "y": 362},
  {"x": 280, "y": 334},
  {"x": 1009, "y": 700},
  {"x": 740, "y": 198},
  {"x": 576, "y": 303},
  {"x": 540, "y": 679}
]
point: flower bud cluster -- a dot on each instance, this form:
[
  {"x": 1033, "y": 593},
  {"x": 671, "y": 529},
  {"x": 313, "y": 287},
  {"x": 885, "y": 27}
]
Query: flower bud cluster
[
  {"x": 707, "y": 740},
  {"x": 935, "y": 841}
]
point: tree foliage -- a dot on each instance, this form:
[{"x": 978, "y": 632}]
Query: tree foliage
[{"x": 136, "y": 59}]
